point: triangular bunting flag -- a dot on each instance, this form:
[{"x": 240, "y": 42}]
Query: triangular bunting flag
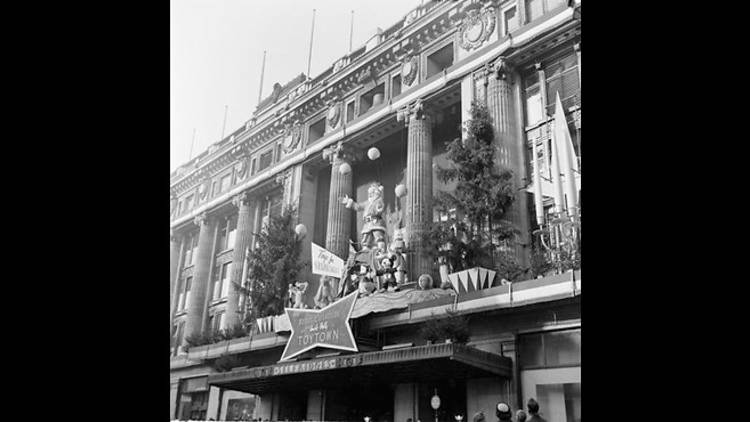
[
  {"x": 482, "y": 278},
  {"x": 490, "y": 277},
  {"x": 474, "y": 277},
  {"x": 464, "y": 277},
  {"x": 454, "y": 281}
]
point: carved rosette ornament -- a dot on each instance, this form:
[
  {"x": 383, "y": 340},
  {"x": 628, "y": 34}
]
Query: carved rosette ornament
[
  {"x": 476, "y": 27},
  {"x": 334, "y": 115},
  {"x": 409, "y": 70},
  {"x": 292, "y": 136}
]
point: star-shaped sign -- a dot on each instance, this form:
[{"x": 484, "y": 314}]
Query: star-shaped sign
[{"x": 327, "y": 327}]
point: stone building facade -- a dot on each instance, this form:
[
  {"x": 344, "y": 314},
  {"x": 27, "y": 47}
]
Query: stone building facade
[{"x": 406, "y": 92}]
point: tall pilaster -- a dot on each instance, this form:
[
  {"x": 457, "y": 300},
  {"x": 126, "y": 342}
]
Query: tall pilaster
[
  {"x": 418, "y": 186},
  {"x": 241, "y": 244},
  {"x": 500, "y": 103},
  {"x": 176, "y": 254},
  {"x": 200, "y": 275},
  {"x": 338, "y": 230}
]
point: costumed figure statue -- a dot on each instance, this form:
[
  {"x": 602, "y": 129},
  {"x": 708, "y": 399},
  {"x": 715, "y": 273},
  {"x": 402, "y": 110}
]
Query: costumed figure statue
[
  {"x": 373, "y": 229},
  {"x": 386, "y": 273},
  {"x": 325, "y": 295},
  {"x": 398, "y": 256},
  {"x": 297, "y": 294}
]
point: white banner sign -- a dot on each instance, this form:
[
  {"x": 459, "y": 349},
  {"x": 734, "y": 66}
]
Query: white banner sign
[{"x": 325, "y": 262}]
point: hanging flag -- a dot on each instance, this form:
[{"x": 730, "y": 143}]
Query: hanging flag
[
  {"x": 557, "y": 187},
  {"x": 566, "y": 156},
  {"x": 538, "y": 205}
]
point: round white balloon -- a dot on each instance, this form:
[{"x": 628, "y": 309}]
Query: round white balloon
[
  {"x": 373, "y": 153},
  {"x": 345, "y": 168}
]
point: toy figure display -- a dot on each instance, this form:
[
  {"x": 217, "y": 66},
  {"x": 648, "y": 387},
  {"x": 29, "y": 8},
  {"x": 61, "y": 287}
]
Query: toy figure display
[
  {"x": 297, "y": 294},
  {"x": 374, "y": 227},
  {"x": 387, "y": 279},
  {"x": 325, "y": 295},
  {"x": 398, "y": 256}
]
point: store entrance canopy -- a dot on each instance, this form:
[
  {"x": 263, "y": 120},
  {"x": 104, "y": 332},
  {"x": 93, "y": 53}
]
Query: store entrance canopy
[{"x": 409, "y": 364}]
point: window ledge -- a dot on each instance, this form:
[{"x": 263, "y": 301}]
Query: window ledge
[{"x": 218, "y": 301}]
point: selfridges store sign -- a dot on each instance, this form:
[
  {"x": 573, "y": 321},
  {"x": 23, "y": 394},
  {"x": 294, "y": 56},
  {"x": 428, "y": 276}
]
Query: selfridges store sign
[{"x": 327, "y": 327}]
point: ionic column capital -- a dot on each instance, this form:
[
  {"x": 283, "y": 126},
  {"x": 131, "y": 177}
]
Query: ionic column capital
[
  {"x": 282, "y": 176},
  {"x": 340, "y": 152},
  {"x": 414, "y": 111},
  {"x": 200, "y": 219},
  {"x": 500, "y": 68},
  {"x": 241, "y": 199}
]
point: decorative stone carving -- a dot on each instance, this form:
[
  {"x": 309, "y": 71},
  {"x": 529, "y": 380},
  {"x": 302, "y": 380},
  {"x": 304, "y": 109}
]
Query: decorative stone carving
[
  {"x": 204, "y": 187},
  {"x": 411, "y": 17},
  {"x": 282, "y": 176},
  {"x": 238, "y": 200},
  {"x": 241, "y": 169},
  {"x": 501, "y": 69},
  {"x": 476, "y": 27},
  {"x": 416, "y": 110},
  {"x": 366, "y": 75},
  {"x": 334, "y": 115},
  {"x": 292, "y": 136},
  {"x": 409, "y": 70},
  {"x": 340, "y": 152},
  {"x": 200, "y": 219}
]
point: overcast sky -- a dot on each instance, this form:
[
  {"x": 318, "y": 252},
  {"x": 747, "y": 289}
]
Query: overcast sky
[{"x": 216, "y": 52}]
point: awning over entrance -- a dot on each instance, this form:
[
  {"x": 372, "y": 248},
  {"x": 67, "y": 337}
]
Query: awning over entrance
[{"x": 409, "y": 364}]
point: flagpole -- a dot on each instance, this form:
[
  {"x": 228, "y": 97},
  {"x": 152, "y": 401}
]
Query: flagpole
[
  {"x": 351, "y": 33},
  {"x": 309, "y": 54},
  {"x": 224, "y": 126},
  {"x": 262, "y": 72}
]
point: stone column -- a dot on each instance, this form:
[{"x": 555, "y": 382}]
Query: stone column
[
  {"x": 500, "y": 103},
  {"x": 200, "y": 274},
  {"x": 338, "y": 230},
  {"x": 241, "y": 244},
  {"x": 176, "y": 254},
  {"x": 418, "y": 186}
]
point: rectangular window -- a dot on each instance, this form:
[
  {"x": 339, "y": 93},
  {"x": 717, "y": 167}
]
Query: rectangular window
[
  {"x": 316, "y": 131},
  {"x": 216, "y": 276},
  {"x": 550, "y": 349},
  {"x": 177, "y": 339},
  {"x": 534, "y": 9},
  {"x": 225, "y": 183},
  {"x": 396, "y": 86},
  {"x": 225, "y": 275},
  {"x": 265, "y": 160},
  {"x": 188, "y": 203},
  {"x": 215, "y": 188},
  {"x": 510, "y": 20},
  {"x": 231, "y": 232},
  {"x": 439, "y": 60},
  {"x": 350, "y": 112},
  {"x": 188, "y": 282},
  {"x": 372, "y": 98},
  {"x": 252, "y": 166},
  {"x": 562, "y": 79},
  {"x": 218, "y": 321},
  {"x": 221, "y": 240}
]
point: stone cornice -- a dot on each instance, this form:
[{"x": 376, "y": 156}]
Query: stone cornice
[
  {"x": 457, "y": 71},
  {"x": 409, "y": 39}
]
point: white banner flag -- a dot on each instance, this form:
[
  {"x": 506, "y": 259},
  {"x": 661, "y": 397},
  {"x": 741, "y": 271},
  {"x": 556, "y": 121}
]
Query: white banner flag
[{"x": 325, "y": 262}]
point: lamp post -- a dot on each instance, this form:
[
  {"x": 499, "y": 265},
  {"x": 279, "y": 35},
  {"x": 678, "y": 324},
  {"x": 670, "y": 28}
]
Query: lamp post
[{"x": 435, "y": 403}]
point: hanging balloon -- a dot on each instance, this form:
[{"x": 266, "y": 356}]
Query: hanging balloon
[
  {"x": 400, "y": 190},
  {"x": 345, "y": 168},
  {"x": 301, "y": 230},
  {"x": 373, "y": 153}
]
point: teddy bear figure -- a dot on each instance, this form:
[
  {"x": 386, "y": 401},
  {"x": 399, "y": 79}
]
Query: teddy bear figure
[
  {"x": 299, "y": 295},
  {"x": 398, "y": 257},
  {"x": 324, "y": 297},
  {"x": 366, "y": 287}
]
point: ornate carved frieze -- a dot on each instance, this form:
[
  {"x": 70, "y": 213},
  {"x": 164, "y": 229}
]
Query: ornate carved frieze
[
  {"x": 409, "y": 70},
  {"x": 476, "y": 26}
]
